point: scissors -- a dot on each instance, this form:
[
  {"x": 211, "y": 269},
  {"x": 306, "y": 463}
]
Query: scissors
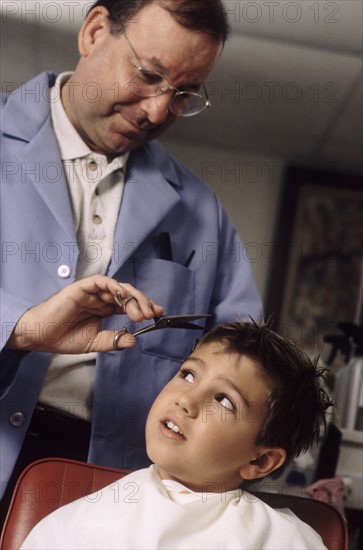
[{"x": 165, "y": 321}]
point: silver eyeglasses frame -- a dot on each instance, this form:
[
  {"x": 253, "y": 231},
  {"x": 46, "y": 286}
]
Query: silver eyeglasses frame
[{"x": 143, "y": 73}]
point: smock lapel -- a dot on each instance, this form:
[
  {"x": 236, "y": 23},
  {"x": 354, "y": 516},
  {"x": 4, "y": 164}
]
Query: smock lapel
[
  {"x": 149, "y": 195},
  {"x": 26, "y": 117},
  {"x": 44, "y": 170}
]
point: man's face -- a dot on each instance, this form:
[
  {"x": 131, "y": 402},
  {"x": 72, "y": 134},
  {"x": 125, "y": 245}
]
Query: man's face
[
  {"x": 98, "y": 98},
  {"x": 202, "y": 428}
]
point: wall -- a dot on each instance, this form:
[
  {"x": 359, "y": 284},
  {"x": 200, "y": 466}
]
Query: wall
[{"x": 248, "y": 187}]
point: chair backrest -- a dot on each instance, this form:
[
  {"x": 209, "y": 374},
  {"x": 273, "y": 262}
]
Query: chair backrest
[
  {"x": 48, "y": 484},
  {"x": 321, "y": 516},
  {"x": 45, "y": 486}
]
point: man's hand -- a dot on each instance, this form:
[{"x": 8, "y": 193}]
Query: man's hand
[{"x": 70, "y": 321}]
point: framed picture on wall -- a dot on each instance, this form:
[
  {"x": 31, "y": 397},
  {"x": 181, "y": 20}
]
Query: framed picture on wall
[{"x": 316, "y": 274}]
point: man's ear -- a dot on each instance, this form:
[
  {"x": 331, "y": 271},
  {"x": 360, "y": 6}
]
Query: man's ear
[
  {"x": 264, "y": 464},
  {"x": 95, "y": 27}
]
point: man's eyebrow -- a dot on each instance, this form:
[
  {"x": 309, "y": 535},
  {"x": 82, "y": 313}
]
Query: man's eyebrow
[{"x": 156, "y": 63}]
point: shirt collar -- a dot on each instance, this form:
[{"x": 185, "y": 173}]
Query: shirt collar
[{"x": 70, "y": 143}]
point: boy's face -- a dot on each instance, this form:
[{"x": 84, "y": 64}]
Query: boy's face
[{"x": 202, "y": 428}]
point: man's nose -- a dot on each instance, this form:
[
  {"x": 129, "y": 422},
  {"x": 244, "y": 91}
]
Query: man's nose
[{"x": 156, "y": 108}]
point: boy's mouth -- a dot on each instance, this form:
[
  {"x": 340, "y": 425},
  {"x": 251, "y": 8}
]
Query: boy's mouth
[
  {"x": 172, "y": 430},
  {"x": 171, "y": 426}
]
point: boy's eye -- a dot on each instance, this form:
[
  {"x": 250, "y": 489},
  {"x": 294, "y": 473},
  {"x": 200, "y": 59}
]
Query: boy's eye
[
  {"x": 187, "y": 375},
  {"x": 225, "y": 402}
]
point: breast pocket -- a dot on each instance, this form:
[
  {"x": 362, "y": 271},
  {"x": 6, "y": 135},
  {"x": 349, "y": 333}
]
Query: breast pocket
[{"x": 172, "y": 286}]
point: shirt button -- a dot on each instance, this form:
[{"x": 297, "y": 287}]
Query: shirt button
[
  {"x": 92, "y": 166},
  {"x": 97, "y": 219},
  {"x": 64, "y": 271},
  {"x": 17, "y": 419}
]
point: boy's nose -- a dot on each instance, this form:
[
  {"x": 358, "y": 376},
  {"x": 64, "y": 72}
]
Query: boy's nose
[{"x": 188, "y": 403}]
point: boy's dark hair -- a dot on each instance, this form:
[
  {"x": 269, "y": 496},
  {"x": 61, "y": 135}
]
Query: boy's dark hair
[
  {"x": 206, "y": 16},
  {"x": 297, "y": 403}
]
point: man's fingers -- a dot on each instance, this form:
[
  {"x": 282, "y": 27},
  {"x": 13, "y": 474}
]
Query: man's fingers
[
  {"x": 106, "y": 341},
  {"x": 99, "y": 289},
  {"x": 136, "y": 304}
]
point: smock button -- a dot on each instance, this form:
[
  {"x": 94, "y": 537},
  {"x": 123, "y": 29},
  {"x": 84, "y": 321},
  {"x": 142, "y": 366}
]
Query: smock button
[
  {"x": 92, "y": 166},
  {"x": 64, "y": 271},
  {"x": 97, "y": 219},
  {"x": 17, "y": 419}
]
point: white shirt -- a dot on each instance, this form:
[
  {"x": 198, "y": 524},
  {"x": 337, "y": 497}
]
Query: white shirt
[
  {"x": 138, "y": 512},
  {"x": 95, "y": 188}
]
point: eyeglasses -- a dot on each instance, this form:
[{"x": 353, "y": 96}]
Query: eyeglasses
[{"x": 145, "y": 83}]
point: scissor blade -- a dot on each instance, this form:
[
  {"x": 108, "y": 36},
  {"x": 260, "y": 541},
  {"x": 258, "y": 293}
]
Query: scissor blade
[
  {"x": 179, "y": 324},
  {"x": 173, "y": 321},
  {"x": 178, "y": 321}
]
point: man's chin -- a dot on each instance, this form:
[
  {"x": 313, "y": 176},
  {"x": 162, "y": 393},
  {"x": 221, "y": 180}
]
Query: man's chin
[
  {"x": 119, "y": 146},
  {"x": 128, "y": 141},
  {"x": 159, "y": 130}
]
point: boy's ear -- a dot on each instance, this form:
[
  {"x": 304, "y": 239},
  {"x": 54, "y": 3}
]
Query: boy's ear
[
  {"x": 95, "y": 25},
  {"x": 268, "y": 461}
]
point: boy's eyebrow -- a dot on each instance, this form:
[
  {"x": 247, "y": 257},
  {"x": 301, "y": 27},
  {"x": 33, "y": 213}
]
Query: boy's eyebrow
[
  {"x": 224, "y": 379},
  {"x": 200, "y": 362},
  {"x": 233, "y": 386}
]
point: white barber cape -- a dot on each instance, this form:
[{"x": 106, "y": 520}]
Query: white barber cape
[{"x": 142, "y": 512}]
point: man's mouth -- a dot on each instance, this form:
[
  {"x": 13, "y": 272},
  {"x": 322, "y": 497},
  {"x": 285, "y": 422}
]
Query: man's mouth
[{"x": 136, "y": 124}]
